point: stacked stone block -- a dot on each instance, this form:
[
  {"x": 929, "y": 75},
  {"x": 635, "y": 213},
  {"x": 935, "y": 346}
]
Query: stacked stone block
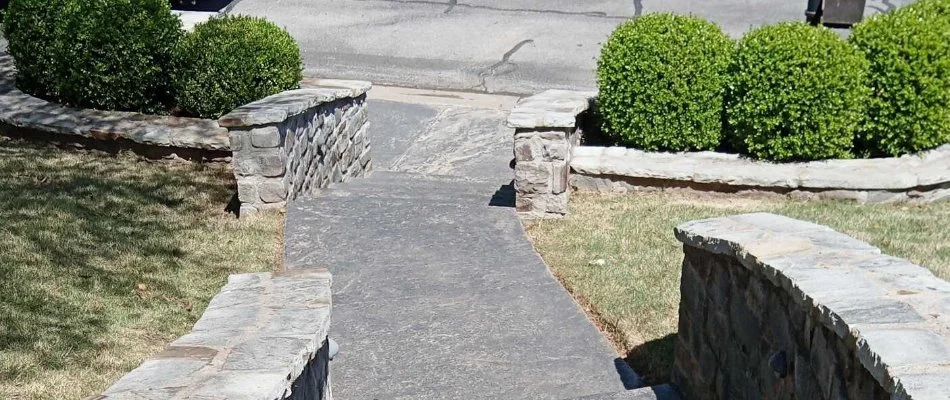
[
  {"x": 295, "y": 142},
  {"x": 545, "y": 135},
  {"x": 775, "y": 308},
  {"x": 542, "y": 171}
]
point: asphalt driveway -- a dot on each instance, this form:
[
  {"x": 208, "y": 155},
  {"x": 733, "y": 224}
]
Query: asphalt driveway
[
  {"x": 506, "y": 46},
  {"x": 495, "y": 46}
]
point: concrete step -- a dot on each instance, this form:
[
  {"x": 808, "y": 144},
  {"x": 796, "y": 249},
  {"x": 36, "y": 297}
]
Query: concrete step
[{"x": 660, "y": 392}]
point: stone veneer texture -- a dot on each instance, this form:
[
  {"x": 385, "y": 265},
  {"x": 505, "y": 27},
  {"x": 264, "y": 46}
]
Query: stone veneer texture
[
  {"x": 262, "y": 337},
  {"x": 915, "y": 178},
  {"x": 774, "y": 307},
  {"x": 295, "y": 142},
  {"x": 548, "y": 152},
  {"x": 545, "y": 135}
]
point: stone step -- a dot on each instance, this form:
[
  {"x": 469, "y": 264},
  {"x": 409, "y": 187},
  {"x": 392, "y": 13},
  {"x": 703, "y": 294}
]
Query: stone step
[{"x": 660, "y": 392}]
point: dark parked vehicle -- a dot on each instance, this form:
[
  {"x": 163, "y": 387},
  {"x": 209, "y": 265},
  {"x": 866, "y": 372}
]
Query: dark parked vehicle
[
  {"x": 201, "y": 5},
  {"x": 835, "y": 13}
]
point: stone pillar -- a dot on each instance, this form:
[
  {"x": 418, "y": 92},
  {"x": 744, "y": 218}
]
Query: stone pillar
[
  {"x": 295, "y": 142},
  {"x": 546, "y": 133},
  {"x": 542, "y": 171}
]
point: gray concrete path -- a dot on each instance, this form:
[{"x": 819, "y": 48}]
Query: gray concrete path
[
  {"x": 438, "y": 294},
  {"x": 503, "y": 46}
]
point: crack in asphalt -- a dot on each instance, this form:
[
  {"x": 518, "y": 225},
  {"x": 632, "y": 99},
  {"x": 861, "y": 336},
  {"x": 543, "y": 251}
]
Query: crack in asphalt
[
  {"x": 452, "y": 4},
  {"x": 888, "y": 7},
  {"x": 505, "y": 60},
  {"x": 637, "y": 8}
]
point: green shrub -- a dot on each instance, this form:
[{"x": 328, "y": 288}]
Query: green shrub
[
  {"x": 795, "y": 92},
  {"x": 231, "y": 61},
  {"x": 909, "y": 53},
  {"x": 936, "y": 7},
  {"x": 661, "y": 80},
  {"x": 106, "y": 54}
]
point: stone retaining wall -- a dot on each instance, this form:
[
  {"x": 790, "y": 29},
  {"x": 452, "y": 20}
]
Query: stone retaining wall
[
  {"x": 773, "y": 307},
  {"x": 919, "y": 178},
  {"x": 295, "y": 142},
  {"x": 262, "y": 337},
  {"x": 549, "y": 122},
  {"x": 281, "y": 147},
  {"x": 22, "y": 112}
]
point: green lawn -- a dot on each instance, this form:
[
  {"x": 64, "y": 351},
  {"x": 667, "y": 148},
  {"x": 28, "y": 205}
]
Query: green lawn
[
  {"x": 106, "y": 258},
  {"x": 618, "y": 256}
]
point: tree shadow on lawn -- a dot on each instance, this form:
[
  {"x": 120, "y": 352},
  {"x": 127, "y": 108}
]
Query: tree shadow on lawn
[
  {"x": 653, "y": 360},
  {"x": 91, "y": 245}
]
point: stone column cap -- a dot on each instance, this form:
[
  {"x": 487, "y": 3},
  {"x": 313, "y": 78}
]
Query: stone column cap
[
  {"x": 552, "y": 108},
  {"x": 252, "y": 342},
  {"x": 277, "y": 108}
]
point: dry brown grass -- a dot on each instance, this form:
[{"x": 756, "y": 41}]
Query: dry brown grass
[
  {"x": 106, "y": 258},
  {"x": 633, "y": 293}
]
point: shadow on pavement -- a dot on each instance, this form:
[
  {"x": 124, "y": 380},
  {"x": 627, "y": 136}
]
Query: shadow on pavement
[
  {"x": 628, "y": 377},
  {"x": 504, "y": 196}
]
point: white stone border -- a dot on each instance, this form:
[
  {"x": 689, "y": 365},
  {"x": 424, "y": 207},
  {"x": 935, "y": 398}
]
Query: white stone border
[
  {"x": 840, "y": 280},
  {"x": 917, "y": 178},
  {"x": 20, "y": 110}
]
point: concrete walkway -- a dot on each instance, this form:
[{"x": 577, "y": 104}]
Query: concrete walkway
[{"x": 438, "y": 294}]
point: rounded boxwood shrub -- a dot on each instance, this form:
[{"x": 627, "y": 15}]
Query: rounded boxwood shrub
[
  {"x": 909, "y": 54},
  {"x": 231, "y": 61},
  {"x": 661, "y": 80},
  {"x": 939, "y": 8},
  {"x": 105, "y": 54},
  {"x": 796, "y": 92}
]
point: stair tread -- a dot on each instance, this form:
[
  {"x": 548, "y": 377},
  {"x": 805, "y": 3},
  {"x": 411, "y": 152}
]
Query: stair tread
[{"x": 659, "y": 392}]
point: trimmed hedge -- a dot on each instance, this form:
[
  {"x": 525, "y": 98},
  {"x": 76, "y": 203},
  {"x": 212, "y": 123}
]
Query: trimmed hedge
[
  {"x": 796, "y": 92},
  {"x": 935, "y": 7},
  {"x": 661, "y": 79},
  {"x": 105, "y": 54},
  {"x": 231, "y": 61},
  {"x": 909, "y": 54}
]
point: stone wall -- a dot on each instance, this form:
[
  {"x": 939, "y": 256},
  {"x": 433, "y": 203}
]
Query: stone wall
[
  {"x": 295, "y": 142},
  {"x": 778, "y": 308},
  {"x": 546, "y": 133},
  {"x": 29, "y": 117},
  {"x": 263, "y": 336},
  {"x": 915, "y": 178},
  {"x": 548, "y": 122},
  {"x": 281, "y": 147}
]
